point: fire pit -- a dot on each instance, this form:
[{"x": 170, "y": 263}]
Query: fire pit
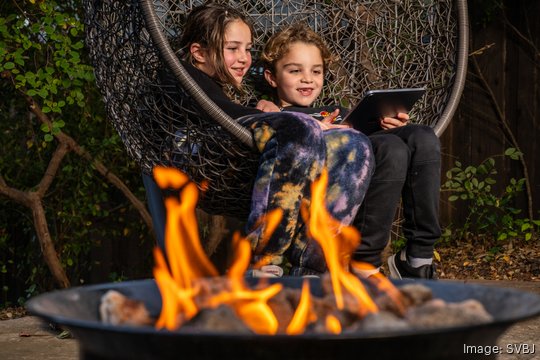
[
  {"x": 77, "y": 310},
  {"x": 187, "y": 285}
]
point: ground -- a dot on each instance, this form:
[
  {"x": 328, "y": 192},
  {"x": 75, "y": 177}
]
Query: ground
[
  {"x": 518, "y": 260},
  {"x": 12, "y": 313}
]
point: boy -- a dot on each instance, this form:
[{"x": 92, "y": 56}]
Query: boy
[{"x": 407, "y": 156}]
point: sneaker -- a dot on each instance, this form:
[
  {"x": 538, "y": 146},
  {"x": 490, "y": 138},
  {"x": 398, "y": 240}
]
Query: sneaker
[{"x": 400, "y": 269}]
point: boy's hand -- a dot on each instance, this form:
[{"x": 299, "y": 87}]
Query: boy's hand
[
  {"x": 267, "y": 106},
  {"x": 401, "y": 119},
  {"x": 328, "y": 121}
]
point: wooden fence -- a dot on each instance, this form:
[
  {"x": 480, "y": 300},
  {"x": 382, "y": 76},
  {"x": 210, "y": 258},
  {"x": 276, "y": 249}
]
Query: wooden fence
[{"x": 500, "y": 105}]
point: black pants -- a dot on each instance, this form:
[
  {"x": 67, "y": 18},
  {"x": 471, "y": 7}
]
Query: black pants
[{"x": 408, "y": 166}]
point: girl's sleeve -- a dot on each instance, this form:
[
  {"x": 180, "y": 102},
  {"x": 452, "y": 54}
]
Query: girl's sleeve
[{"x": 216, "y": 94}]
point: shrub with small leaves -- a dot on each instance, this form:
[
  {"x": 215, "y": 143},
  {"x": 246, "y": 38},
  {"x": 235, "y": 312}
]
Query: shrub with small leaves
[{"x": 489, "y": 214}]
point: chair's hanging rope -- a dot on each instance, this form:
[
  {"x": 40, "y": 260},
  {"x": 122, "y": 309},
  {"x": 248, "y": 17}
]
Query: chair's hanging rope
[
  {"x": 461, "y": 68},
  {"x": 159, "y": 39}
]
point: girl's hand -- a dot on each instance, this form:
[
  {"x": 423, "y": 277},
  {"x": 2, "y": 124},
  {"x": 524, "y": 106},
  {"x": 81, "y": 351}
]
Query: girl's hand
[
  {"x": 267, "y": 106},
  {"x": 401, "y": 119}
]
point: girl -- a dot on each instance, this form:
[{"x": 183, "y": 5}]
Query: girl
[
  {"x": 294, "y": 147},
  {"x": 407, "y": 157}
]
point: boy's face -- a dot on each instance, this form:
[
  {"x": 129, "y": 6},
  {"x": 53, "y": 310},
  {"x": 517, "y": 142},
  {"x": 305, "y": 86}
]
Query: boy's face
[{"x": 299, "y": 75}]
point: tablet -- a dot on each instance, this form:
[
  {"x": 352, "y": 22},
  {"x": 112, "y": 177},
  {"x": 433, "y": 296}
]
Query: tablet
[{"x": 376, "y": 104}]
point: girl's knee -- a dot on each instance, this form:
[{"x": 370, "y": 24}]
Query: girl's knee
[{"x": 288, "y": 129}]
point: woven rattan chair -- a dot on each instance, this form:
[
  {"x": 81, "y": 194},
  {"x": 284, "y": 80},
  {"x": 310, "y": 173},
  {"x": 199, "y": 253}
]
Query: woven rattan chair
[{"x": 381, "y": 44}]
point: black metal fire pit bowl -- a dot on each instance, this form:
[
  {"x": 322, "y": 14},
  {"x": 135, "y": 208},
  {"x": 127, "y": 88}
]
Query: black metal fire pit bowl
[{"x": 77, "y": 310}]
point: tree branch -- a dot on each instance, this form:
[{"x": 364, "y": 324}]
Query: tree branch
[
  {"x": 63, "y": 138},
  {"x": 45, "y": 241},
  {"x": 32, "y": 200},
  {"x": 14, "y": 194},
  {"x": 54, "y": 164}
]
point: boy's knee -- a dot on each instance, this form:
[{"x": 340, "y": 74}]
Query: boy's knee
[
  {"x": 390, "y": 151},
  {"x": 423, "y": 137}
]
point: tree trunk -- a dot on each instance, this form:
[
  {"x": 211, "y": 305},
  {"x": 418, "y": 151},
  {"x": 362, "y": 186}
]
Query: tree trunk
[{"x": 47, "y": 247}]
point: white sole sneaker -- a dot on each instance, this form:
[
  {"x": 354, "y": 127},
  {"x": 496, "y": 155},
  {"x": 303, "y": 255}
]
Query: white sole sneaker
[{"x": 394, "y": 272}]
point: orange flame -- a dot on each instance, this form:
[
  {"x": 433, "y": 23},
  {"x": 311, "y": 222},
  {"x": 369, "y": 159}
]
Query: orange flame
[
  {"x": 337, "y": 242},
  {"x": 382, "y": 283},
  {"x": 178, "y": 277},
  {"x": 333, "y": 325},
  {"x": 304, "y": 313},
  {"x": 188, "y": 262},
  {"x": 187, "y": 259},
  {"x": 250, "y": 305}
]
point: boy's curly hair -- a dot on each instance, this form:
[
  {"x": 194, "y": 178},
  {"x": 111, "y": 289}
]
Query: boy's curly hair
[{"x": 278, "y": 45}]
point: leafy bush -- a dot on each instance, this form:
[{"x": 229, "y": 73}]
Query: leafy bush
[
  {"x": 94, "y": 228},
  {"x": 490, "y": 215}
]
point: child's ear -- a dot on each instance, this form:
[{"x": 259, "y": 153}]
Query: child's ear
[
  {"x": 197, "y": 53},
  {"x": 270, "y": 78}
]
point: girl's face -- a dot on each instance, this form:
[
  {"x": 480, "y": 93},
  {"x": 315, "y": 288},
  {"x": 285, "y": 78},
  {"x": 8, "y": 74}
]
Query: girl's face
[
  {"x": 299, "y": 75},
  {"x": 237, "y": 49},
  {"x": 236, "y": 52}
]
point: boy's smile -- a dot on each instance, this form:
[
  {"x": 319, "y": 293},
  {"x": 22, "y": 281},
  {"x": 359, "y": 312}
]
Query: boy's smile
[{"x": 299, "y": 75}]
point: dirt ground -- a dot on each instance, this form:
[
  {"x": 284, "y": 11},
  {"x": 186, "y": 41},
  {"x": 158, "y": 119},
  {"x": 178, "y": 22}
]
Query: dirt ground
[{"x": 519, "y": 260}]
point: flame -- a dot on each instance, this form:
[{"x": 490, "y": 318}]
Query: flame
[
  {"x": 188, "y": 262},
  {"x": 180, "y": 276},
  {"x": 250, "y": 305},
  {"x": 333, "y": 325},
  {"x": 304, "y": 313},
  {"x": 337, "y": 242},
  {"x": 187, "y": 259},
  {"x": 383, "y": 284}
]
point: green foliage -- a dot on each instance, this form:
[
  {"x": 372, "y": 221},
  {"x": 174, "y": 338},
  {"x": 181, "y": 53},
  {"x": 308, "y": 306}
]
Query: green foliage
[
  {"x": 491, "y": 214},
  {"x": 41, "y": 50},
  {"x": 42, "y": 56}
]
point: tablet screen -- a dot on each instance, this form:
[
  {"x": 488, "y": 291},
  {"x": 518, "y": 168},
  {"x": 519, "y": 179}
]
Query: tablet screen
[{"x": 376, "y": 104}]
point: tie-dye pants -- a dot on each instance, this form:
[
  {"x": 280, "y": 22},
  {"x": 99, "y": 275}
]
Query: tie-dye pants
[{"x": 294, "y": 151}]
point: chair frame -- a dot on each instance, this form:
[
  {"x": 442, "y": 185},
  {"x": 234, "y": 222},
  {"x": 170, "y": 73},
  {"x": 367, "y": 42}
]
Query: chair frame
[{"x": 228, "y": 163}]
